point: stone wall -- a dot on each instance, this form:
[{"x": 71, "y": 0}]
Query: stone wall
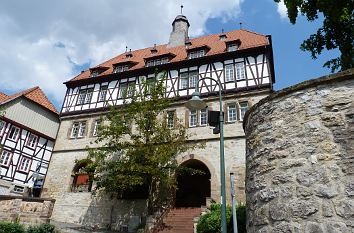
[
  {"x": 30, "y": 211},
  {"x": 300, "y": 158}
]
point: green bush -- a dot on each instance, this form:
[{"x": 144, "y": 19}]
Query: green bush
[
  {"x": 211, "y": 222},
  {"x": 9, "y": 227},
  {"x": 43, "y": 228}
]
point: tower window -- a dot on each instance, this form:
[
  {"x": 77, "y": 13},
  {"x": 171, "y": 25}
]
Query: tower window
[
  {"x": 193, "y": 118},
  {"x": 231, "y": 113},
  {"x": 243, "y": 109},
  {"x": 170, "y": 119},
  {"x": 78, "y": 129}
]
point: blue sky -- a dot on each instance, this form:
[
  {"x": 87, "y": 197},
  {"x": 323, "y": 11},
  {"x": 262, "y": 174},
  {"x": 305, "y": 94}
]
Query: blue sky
[{"x": 45, "y": 43}]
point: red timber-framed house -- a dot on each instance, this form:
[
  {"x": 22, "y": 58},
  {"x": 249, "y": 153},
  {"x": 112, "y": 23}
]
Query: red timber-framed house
[
  {"x": 28, "y": 126},
  {"x": 241, "y": 60}
]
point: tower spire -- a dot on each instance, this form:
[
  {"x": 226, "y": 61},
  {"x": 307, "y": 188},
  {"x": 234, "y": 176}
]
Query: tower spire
[{"x": 181, "y": 9}]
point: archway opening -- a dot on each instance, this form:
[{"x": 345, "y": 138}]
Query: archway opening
[{"x": 193, "y": 189}]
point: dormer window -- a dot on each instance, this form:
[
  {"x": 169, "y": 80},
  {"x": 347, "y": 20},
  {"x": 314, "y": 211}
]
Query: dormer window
[
  {"x": 153, "y": 50},
  {"x": 156, "y": 62},
  {"x": 121, "y": 68},
  {"x": 222, "y": 37},
  {"x": 97, "y": 71},
  {"x": 94, "y": 73},
  {"x": 196, "y": 54},
  {"x": 232, "y": 47}
]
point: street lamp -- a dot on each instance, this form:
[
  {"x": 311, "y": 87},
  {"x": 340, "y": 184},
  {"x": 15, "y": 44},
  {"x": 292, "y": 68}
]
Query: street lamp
[{"x": 196, "y": 103}]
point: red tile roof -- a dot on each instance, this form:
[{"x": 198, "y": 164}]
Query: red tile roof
[
  {"x": 35, "y": 94},
  {"x": 3, "y": 97},
  {"x": 248, "y": 40}
]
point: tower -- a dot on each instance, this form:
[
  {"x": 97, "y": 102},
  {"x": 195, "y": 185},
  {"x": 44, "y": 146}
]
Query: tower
[{"x": 179, "y": 34}]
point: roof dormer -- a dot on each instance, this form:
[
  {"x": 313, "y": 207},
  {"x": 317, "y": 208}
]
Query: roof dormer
[
  {"x": 95, "y": 71},
  {"x": 197, "y": 51},
  {"x": 123, "y": 66},
  {"x": 232, "y": 45},
  {"x": 158, "y": 59}
]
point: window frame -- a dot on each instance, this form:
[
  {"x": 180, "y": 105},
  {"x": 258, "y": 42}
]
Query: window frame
[
  {"x": 240, "y": 71},
  {"x": 96, "y": 124},
  {"x": 21, "y": 163},
  {"x": 241, "y": 108},
  {"x": 185, "y": 81},
  {"x": 170, "y": 122},
  {"x": 205, "y": 114},
  {"x": 232, "y": 47},
  {"x": 196, "y": 54},
  {"x": 103, "y": 88},
  {"x": 9, "y": 157},
  {"x": 79, "y": 127},
  {"x": 126, "y": 86},
  {"x": 234, "y": 115},
  {"x": 3, "y": 127},
  {"x": 17, "y": 135},
  {"x": 120, "y": 68},
  {"x": 194, "y": 115},
  {"x": 229, "y": 73},
  {"x": 35, "y": 142}
]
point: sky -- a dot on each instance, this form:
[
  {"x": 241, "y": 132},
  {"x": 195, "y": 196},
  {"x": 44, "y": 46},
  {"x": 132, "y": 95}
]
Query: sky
[{"x": 45, "y": 42}]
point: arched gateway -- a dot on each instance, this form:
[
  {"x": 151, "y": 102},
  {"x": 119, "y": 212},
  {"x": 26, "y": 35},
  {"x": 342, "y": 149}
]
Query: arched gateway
[{"x": 192, "y": 190}]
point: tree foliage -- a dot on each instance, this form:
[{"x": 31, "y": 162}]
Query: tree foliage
[
  {"x": 337, "y": 30},
  {"x": 138, "y": 148}
]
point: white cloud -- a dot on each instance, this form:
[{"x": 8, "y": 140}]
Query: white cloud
[
  {"x": 41, "y": 40},
  {"x": 282, "y": 10}
]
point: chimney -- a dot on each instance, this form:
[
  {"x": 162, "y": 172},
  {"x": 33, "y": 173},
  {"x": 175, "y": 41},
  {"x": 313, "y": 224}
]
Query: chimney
[{"x": 179, "y": 34}]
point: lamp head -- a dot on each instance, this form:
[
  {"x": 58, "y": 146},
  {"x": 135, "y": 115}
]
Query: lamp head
[{"x": 196, "y": 103}]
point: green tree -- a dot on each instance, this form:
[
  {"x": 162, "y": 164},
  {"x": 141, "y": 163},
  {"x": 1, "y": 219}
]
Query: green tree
[
  {"x": 138, "y": 148},
  {"x": 337, "y": 30}
]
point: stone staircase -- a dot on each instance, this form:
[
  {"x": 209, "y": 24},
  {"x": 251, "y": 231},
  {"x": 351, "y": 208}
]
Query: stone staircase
[{"x": 180, "y": 220}]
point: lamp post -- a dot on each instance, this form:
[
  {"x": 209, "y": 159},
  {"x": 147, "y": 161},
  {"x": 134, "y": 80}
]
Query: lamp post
[{"x": 196, "y": 103}]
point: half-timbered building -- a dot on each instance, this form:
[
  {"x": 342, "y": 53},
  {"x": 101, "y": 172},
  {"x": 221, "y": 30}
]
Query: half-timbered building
[
  {"x": 240, "y": 60},
  {"x": 28, "y": 128}
]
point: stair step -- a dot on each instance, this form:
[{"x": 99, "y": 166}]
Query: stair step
[{"x": 180, "y": 220}]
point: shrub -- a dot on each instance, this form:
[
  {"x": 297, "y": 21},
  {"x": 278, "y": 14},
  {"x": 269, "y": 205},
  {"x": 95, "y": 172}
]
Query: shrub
[
  {"x": 211, "y": 222},
  {"x": 9, "y": 227},
  {"x": 43, "y": 228}
]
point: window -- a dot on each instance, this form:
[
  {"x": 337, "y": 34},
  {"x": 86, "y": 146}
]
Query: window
[
  {"x": 32, "y": 140},
  {"x": 2, "y": 126},
  {"x": 232, "y": 47},
  {"x": 78, "y": 129},
  {"x": 5, "y": 158},
  {"x": 14, "y": 133},
  {"x": 96, "y": 127},
  {"x": 229, "y": 73},
  {"x": 193, "y": 79},
  {"x": 170, "y": 119},
  {"x": 193, "y": 118},
  {"x": 126, "y": 90},
  {"x": 102, "y": 94},
  {"x": 189, "y": 80},
  {"x": 19, "y": 189},
  {"x": 119, "y": 69},
  {"x": 243, "y": 109},
  {"x": 150, "y": 84},
  {"x": 85, "y": 96},
  {"x": 240, "y": 71},
  {"x": 157, "y": 62},
  {"x": 203, "y": 117},
  {"x": 196, "y": 54},
  {"x": 184, "y": 81},
  {"x": 95, "y": 73},
  {"x": 231, "y": 113},
  {"x": 25, "y": 164}
]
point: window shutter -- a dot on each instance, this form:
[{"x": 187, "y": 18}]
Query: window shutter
[{"x": 226, "y": 114}]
